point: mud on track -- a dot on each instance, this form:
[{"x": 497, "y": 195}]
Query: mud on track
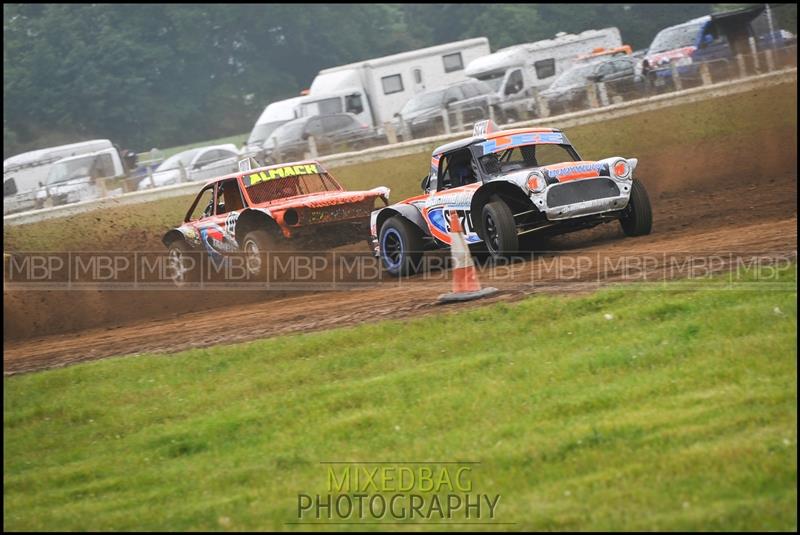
[{"x": 740, "y": 213}]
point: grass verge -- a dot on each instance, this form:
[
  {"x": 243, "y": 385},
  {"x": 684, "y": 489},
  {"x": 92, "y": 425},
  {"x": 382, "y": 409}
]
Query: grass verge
[{"x": 628, "y": 409}]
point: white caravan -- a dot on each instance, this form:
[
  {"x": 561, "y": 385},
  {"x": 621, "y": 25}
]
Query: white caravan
[
  {"x": 273, "y": 116},
  {"x": 377, "y": 89},
  {"x": 519, "y": 71}
]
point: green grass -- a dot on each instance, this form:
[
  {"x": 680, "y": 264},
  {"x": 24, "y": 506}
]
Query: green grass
[
  {"x": 751, "y": 134},
  {"x": 679, "y": 413}
]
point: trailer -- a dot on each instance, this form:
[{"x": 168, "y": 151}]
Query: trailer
[{"x": 377, "y": 89}]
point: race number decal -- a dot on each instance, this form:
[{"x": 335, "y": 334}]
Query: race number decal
[{"x": 230, "y": 224}]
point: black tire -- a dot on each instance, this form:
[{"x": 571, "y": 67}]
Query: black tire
[
  {"x": 637, "y": 217},
  {"x": 255, "y": 246},
  {"x": 499, "y": 230},
  {"x": 183, "y": 263},
  {"x": 401, "y": 246}
]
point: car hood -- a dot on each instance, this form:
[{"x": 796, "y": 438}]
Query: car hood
[
  {"x": 73, "y": 184},
  {"x": 160, "y": 178},
  {"x": 661, "y": 59},
  {"x": 424, "y": 113},
  {"x": 324, "y": 199},
  {"x": 551, "y": 92},
  {"x": 564, "y": 172}
]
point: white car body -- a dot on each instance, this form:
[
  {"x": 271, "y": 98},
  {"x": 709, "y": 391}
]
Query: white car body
[
  {"x": 73, "y": 179},
  {"x": 199, "y": 164}
]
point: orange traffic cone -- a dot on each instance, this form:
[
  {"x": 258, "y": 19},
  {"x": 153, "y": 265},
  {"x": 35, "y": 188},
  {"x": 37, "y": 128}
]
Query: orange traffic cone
[{"x": 465, "y": 279}]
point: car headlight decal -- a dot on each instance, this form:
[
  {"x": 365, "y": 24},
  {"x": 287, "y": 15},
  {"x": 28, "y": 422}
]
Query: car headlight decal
[
  {"x": 536, "y": 182},
  {"x": 622, "y": 169}
]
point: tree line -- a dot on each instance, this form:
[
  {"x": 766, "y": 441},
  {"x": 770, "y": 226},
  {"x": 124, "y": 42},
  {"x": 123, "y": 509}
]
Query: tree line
[{"x": 167, "y": 74}]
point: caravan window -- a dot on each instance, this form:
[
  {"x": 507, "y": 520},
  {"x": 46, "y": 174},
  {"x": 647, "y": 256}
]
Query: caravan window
[
  {"x": 392, "y": 84},
  {"x": 417, "y": 76},
  {"x": 545, "y": 68},
  {"x": 452, "y": 62}
]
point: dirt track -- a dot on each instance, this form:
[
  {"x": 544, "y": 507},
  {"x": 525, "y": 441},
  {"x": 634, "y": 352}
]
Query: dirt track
[{"x": 743, "y": 217}]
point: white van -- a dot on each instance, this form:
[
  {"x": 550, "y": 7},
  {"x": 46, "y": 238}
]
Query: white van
[
  {"x": 30, "y": 168},
  {"x": 24, "y": 173},
  {"x": 273, "y": 116},
  {"x": 519, "y": 71},
  {"x": 377, "y": 89},
  {"x": 75, "y": 179}
]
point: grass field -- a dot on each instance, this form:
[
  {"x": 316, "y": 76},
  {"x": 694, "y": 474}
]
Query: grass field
[
  {"x": 751, "y": 134},
  {"x": 628, "y": 409}
]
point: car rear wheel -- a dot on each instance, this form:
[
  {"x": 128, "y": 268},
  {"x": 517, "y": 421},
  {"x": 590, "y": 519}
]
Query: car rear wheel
[
  {"x": 256, "y": 245},
  {"x": 637, "y": 217},
  {"x": 499, "y": 229},
  {"x": 401, "y": 246},
  {"x": 183, "y": 264}
]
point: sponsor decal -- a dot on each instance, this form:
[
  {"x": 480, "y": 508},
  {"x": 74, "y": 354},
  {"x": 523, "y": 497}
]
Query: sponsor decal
[
  {"x": 281, "y": 172},
  {"x": 517, "y": 140},
  {"x": 580, "y": 170}
]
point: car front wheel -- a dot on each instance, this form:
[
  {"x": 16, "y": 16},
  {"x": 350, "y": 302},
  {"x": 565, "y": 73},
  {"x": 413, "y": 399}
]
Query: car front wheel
[
  {"x": 183, "y": 264},
  {"x": 637, "y": 217},
  {"x": 499, "y": 229},
  {"x": 401, "y": 246}
]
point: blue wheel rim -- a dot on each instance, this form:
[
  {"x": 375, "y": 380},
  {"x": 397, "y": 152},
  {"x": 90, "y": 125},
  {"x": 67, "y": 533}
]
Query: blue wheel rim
[{"x": 392, "y": 248}]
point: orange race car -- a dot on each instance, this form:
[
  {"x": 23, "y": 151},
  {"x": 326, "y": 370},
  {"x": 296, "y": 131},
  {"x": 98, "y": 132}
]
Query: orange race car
[{"x": 255, "y": 210}]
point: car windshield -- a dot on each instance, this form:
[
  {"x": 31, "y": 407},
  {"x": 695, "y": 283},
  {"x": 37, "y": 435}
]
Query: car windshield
[
  {"x": 175, "y": 161},
  {"x": 493, "y": 79},
  {"x": 577, "y": 75},
  {"x": 526, "y": 156},
  {"x": 678, "y": 37},
  {"x": 261, "y": 132},
  {"x": 425, "y": 100},
  {"x": 61, "y": 172},
  {"x": 291, "y": 186}
]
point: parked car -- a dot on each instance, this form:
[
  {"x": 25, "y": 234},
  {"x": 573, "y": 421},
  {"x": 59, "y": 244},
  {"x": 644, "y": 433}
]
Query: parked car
[
  {"x": 261, "y": 210},
  {"x": 290, "y": 141},
  {"x": 620, "y": 75},
  {"x": 83, "y": 177},
  {"x": 198, "y": 164},
  {"x": 503, "y": 185},
  {"x": 714, "y": 39},
  {"x": 422, "y": 115}
]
